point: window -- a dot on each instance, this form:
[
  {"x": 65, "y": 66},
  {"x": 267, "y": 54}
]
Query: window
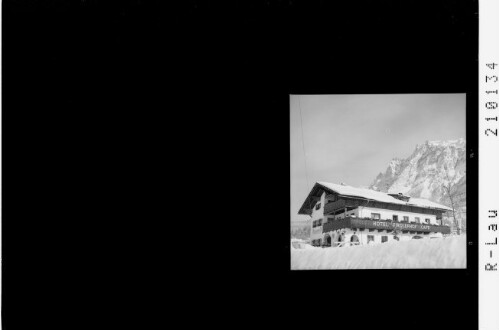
[
  {"x": 318, "y": 206},
  {"x": 317, "y": 223},
  {"x": 395, "y": 218},
  {"x": 427, "y": 220},
  {"x": 384, "y": 239},
  {"x": 417, "y": 220},
  {"x": 370, "y": 238},
  {"x": 406, "y": 219},
  {"x": 375, "y": 216}
]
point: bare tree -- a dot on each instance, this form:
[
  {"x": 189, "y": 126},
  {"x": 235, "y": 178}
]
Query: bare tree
[{"x": 454, "y": 197}]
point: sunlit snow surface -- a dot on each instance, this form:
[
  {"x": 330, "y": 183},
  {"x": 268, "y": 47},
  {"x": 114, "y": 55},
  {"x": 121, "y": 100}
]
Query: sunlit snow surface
[{"x": 449, "y": 252}]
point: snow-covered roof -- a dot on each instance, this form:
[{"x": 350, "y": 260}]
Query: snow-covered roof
[
  {"x": 345, "y": 190},
  {"x": 427, "y": 203},
  {"x": 360, "y": 192}
]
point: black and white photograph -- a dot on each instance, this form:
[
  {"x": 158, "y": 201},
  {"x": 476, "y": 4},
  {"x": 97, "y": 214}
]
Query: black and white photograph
[
  {"x": 378, "y": 181},
  {"x": 334, "y": 144}
]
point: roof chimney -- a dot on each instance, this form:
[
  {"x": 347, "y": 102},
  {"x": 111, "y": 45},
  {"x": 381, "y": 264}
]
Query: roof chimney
[{"x": 401, "y": 197}]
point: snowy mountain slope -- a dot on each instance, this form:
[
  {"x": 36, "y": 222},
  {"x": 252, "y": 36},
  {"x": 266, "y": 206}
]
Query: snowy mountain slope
[
  {"x": 423, "y": 174},
  {"x": 431, "y": 165}
]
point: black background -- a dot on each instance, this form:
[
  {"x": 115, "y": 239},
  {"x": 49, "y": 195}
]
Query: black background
[{"x": 144, "y": 136}]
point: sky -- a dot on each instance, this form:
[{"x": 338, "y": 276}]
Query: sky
[{"x": 352, "y": 138}]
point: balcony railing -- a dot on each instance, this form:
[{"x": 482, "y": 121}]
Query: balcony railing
[
  {"x": 333, "y": 206},
  {"x": 363, "y": 223}
]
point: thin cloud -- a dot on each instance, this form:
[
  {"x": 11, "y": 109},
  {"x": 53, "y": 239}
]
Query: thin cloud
[{"x": 353, "y": 137}]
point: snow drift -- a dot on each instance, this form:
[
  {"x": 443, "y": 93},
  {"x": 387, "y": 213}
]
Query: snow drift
[{"x": 449, "y": 252}]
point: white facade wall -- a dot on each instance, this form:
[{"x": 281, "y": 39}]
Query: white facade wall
[
  {"x": 365, "y": 212},
  {"x": 316, "y": 233},
  {"x": 362, "y": 235}
]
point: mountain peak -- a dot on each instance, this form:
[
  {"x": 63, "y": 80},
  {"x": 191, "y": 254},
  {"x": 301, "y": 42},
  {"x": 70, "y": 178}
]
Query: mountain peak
[
  {"x": 433, "y": 165},
  {"x": 445, "y": 143},
  {"x": 457, "y": 143},
  {"x": 423, "y": 173},
  {"x": 395, "y": 161}
]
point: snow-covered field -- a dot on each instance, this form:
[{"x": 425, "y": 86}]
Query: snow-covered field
[{"x": 449, "y": 252}]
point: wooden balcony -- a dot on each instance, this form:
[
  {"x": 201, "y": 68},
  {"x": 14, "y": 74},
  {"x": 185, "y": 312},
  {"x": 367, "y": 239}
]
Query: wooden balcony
[
  {"x": 340, "y": 204},
  {"x": 334, "y": 206},
  {"x": 382, "y": 225}
]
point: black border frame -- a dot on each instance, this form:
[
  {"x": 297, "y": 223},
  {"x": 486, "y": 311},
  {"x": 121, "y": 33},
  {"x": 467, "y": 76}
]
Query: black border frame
[
  {"x": 221, "y": 74},
  {"x": 464, "y": 280}
]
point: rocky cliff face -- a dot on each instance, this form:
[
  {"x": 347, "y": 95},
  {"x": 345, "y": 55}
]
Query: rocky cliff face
[{"x": 432, "y": 165}]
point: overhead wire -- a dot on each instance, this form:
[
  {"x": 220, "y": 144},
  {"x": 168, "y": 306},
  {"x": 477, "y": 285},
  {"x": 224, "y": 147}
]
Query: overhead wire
[{"x": 303, "y": 145}]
